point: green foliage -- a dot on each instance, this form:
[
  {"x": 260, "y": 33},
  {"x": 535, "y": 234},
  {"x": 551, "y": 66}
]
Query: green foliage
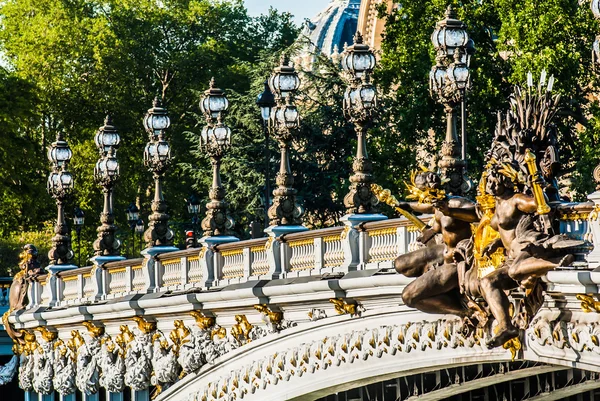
[{"x": 12, "y": 245}]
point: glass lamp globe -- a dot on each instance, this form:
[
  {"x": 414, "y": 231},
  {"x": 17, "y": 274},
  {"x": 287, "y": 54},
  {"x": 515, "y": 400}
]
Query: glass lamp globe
[
  {"x": 156, "y": 119},
  {"x": 266, "y": 101},
  {"x": 221, "y": 135},
  {"x": 78, "y": 217},
  {"x": 214, "y": 101},
  {"x": 163, "y": 151},
  {"x": 60, "y": 153},
  {"x": 449, "y": 33},
  {"x": 66, "y": 181},
  {"x": 458, "y": 75},
  {"x": 284, "y": 79},
  {"x": 193, "y": 205},
  {"x": 437, "y": 78},
  {"x": 287, "y": 116},
  {"x": 132, "y": 213},
  {"x": 358, "y": 58},
  {"x": 139, "y": 226},
  {"x": 107, "y": 136}
]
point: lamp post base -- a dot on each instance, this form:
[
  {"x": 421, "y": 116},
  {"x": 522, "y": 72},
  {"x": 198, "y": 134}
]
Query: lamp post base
[
  {"x": 156, "y": 250},
  {"x": 100, "y": 260},
  {"x": 208, "y": 241},
  {"x": 277, "y": 231},
  {"x": 354, "y": 255},
  {"x": 352, "y": 220},
  {"x": 60, "y": 268}
]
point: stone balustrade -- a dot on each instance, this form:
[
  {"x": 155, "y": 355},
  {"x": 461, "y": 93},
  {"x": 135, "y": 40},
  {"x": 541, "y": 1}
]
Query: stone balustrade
[
  {"x": 309, "y": 253},
  {"x": 372, "y": 245}
]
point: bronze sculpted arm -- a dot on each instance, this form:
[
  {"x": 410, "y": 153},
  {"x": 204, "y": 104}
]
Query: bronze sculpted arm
[
  {"x": 525, "y": 203},
  {"x": 458, "y": 208},
  {"x": 417, "y": 207}
]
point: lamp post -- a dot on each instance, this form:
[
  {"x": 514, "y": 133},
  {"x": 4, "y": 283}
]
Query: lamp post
[
  {"x": 215, "y": 140},
  {"x": 360, "y": 103},
  {"x": 284, "y": 124},
  {"x": 157, "y": 158},
  {"x": 78, "y": 221},
  {"x": 449, "y": 81},
  {"x": 193, "y": 207},
  {"x": 139, "y": 230},
  {"x": 133, "y": 215},
  {"x": 266, "y": 102},
  {"x": 106, "y": 174},
  {"x": 60, "y": 186}
]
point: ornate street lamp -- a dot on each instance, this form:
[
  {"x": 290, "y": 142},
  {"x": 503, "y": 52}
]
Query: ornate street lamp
[
  {"x": 106, "y": 174},
  {"x": 360, "y": 104},
  {"x": 266, "y": 102},
  {"x": 78, "y": 222},
  {"x": 284, "y": 124},
  {"x": 133, "y": 214},
  {"x": 215, "y": 140},
  {"x": 60, "y": 186},
  {"x": 193, "y": 207},
  {"x": 449, "y": 81},
  {"x": 157, "y": 158}
]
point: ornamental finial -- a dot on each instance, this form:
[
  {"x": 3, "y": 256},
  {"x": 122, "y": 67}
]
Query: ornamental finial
[
  {"x": 450, "y": 13},
  {"x": 358, "y": 38}
]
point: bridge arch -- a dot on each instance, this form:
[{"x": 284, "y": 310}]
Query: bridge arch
[{"x": 334, "y": 355}]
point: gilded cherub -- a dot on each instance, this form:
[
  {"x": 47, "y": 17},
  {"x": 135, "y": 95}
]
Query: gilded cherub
[{"x": 241, "y": 330}]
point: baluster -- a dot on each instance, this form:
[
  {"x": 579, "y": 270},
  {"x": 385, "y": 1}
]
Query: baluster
[
  {"x": 113, "y": 396},
  {"x": 142, "y": 395},
  {"x": 319, "y": 254}
]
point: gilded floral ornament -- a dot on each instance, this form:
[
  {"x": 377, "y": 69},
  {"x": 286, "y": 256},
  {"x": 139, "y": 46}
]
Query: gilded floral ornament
[
  {"x": 588, "y": 303},
  {"x": 343, "y": 307}
]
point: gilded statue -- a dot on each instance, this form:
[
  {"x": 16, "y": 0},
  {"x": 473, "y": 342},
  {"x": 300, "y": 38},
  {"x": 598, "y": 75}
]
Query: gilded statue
[
  {"x": 30, "y": 268},
  {"x": 434, "y": 290},
  {"x": 241, "y": 329},
  {"x": 179, "y": 336},
  {"x": 505, "y": 239}
]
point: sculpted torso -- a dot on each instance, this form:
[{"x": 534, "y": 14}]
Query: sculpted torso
[{"x": 509, "y": 212}]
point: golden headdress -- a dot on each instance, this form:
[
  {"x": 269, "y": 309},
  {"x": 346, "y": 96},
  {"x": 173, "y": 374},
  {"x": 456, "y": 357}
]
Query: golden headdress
[{"x": 427, "y": 195}]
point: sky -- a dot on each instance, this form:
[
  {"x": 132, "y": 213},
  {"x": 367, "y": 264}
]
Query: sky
[{"x": 299, "y": 8}]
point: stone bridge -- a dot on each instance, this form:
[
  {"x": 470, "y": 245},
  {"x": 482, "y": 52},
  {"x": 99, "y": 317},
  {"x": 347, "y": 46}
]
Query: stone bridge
[{"x": 294, "y": 317}]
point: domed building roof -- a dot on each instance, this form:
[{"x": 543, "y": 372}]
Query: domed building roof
[{"x": 334, "y": 26}]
